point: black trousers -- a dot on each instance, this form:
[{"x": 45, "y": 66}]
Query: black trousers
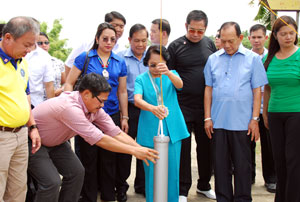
[
  {"x": 232, "y": 147},
  {"x": 124, "y": 160},
  {"x": 285, "y": 139},
  {"x": 46, "y": 166},
  {"x": 100, "y": 167},
  {"x": 195, "y": 123},
  {"x": 268, "y": 167}
]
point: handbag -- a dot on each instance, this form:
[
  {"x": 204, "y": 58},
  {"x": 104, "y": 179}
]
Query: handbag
[{"x": 83, "y": 72}]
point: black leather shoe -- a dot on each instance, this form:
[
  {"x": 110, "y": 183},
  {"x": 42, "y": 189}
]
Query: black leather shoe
[
  {"x": 271, "y": 187},
  {"x": 140, "y": 191},
  {"x": 121, "y": 197}
]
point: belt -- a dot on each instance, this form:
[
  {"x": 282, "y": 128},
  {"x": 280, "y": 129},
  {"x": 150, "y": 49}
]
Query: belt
[{"x": 13, "y": 130}]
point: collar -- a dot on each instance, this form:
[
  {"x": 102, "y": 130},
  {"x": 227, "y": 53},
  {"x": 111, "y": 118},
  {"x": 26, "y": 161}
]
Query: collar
[
  {"x": 6, "y": 59},
  {"x": 129, "y": 54},
  {"x": 93, "y": 53},
  {"x": 85, "y": 110},
  {"x": 242, "y": 50}
]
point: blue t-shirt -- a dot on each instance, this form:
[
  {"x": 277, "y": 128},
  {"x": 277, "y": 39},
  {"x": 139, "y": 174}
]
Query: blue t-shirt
[{"x": 116, "y": 69}]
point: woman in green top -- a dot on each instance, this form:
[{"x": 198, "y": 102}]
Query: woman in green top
[{"x": 282, "y": 107}]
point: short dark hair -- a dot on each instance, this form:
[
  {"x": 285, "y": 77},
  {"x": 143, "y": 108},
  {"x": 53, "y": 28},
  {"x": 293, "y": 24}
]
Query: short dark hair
[
  {"x": 1, "y": 27},
  {"x": 258, "y": 27},
  {"x": 44, "y": 34},
  {"x": 103, "y": 26},
  {"x": 95, "y": 83},
  {"x": 135, "y": 28},
  {"x": 109, "y": 17},
  {"x": 18, "y": 26},
  {"x": 230, "y": 24},
  {"x": 156, "y": 49},
  {"x": 165, "y": 25},
  {"x": 197, "y": 15}
]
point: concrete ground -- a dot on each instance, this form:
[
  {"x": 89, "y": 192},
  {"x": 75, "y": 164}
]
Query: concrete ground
[{"x": 259, "y": 193}]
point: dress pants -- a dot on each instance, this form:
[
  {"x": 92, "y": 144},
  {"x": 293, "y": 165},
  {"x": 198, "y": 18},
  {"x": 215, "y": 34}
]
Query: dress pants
[
  {"x": 46, "y": 166},
  {"x": 194, "y": 121},
  {"x": 100, "y": 169},
  {"x": 285, "y": 138},
  {"x": 124, "y": 160},
  {"x": 232, "y": 147},
  {"x": 268, "y": 167}
]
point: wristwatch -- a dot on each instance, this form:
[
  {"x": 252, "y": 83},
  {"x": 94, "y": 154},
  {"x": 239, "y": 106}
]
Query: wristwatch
[
  {"x": 256, "y": 118},
  {"x": 30, "y": 128}
]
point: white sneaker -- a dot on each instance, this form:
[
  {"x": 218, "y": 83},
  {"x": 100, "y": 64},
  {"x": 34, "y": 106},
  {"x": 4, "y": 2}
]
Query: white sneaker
[
  {"x": 182, "y": 198},
  {"x": 209, "y": 194}
]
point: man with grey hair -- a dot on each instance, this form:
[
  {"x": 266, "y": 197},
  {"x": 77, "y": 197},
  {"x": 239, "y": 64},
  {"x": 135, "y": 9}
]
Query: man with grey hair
[{"x": 19, "y": 36}]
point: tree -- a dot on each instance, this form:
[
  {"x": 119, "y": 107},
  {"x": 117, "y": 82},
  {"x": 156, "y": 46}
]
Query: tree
[{"x": 57, "y": 46}]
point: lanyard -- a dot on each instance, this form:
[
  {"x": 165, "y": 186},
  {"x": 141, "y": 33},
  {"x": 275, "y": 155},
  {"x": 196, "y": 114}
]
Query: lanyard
[{"x": 158, "y": 95}]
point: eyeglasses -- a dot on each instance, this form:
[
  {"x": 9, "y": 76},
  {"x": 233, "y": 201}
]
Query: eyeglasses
[
  {"x": 40, "y": 43},
  {"x": 217, "y": 36},
  {"x": 106, "y": 39},
  {"x": 198, "y": 31},
  {"x": 101, "y": 101}
]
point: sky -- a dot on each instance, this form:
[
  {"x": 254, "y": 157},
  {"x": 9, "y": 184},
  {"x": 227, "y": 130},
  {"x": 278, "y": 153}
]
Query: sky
[{"x": 81, "y": 18}]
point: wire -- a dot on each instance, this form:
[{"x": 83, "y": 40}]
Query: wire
[{"x": 265, "y": 5}]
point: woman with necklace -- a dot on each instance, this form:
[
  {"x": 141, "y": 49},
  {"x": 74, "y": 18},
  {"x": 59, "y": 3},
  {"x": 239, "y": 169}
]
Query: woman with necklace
[
  {"x": 281, "y": 110},
  {"x": 147, "y": 96},
  {"x": 104, "y": 62}
]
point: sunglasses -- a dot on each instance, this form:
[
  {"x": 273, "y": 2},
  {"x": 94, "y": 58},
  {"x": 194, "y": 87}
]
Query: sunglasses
[
  {"x": 40, "y": 43},
  {"x": 217, "y": 36},
  {"x": 101, "y": 101},
  {"x": 106, "y": 39},
  {"x": 193, "y": 31}
]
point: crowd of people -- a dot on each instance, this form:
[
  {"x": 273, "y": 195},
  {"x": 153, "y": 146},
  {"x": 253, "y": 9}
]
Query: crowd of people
[{"x": 110, "y": 99}]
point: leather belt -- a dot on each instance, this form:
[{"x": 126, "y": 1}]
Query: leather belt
[{"x": 13, "y": 130}]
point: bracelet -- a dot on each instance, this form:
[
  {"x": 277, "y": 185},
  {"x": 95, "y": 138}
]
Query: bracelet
[
  {"x": 125, "y": 117},
  {"x": 207, "y": 119}
]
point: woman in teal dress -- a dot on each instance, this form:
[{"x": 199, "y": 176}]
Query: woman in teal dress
[{"x": 147, "y": 96}]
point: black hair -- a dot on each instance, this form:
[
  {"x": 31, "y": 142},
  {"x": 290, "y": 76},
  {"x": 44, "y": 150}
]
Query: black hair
[
  {"x": 109, "y": 17},
  {"x": 100, "y": 29},
  {"x": 258, "y": 27},
  {"x": 229, "y": 24},
  {"x": 95, "y": 83},
  {"x": 274, "y": 46},
  {"x": 197, "y": 15},
  {"x": 156, "y": 49},
  {"x": 165, "y": 25},
  {"x": 1, "y": 27},
  {"x": 135, "y": 28},
  {"x": 44, "y": 34}
]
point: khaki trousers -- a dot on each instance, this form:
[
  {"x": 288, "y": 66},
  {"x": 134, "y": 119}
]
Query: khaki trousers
[{"x": 13, "y": 165}]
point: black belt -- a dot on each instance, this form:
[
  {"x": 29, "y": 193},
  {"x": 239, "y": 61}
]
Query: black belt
[{"x": 13, "y": 130}]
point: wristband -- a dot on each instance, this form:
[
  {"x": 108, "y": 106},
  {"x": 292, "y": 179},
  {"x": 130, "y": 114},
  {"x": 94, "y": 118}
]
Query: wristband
[
  {"x": 32, "y": 127},
  {"x": 125, "y": 117},
  {"x": 207, "y": 119}
]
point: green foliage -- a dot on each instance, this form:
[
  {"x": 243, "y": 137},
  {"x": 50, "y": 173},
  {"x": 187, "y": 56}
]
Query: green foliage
[
  {"x": 264, "y": 17},
  {"x": 246, "y": 43},
  {"x": 57, "y": 46}
]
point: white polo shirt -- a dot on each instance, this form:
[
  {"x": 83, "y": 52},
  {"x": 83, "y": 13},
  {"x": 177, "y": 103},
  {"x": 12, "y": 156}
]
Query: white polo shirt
[{"x": 40, "y": 71}]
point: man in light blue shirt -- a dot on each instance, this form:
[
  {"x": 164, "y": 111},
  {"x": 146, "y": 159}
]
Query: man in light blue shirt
[
  {"x": 233, "y": 77},
  {"x": 133, "y": 56}
]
